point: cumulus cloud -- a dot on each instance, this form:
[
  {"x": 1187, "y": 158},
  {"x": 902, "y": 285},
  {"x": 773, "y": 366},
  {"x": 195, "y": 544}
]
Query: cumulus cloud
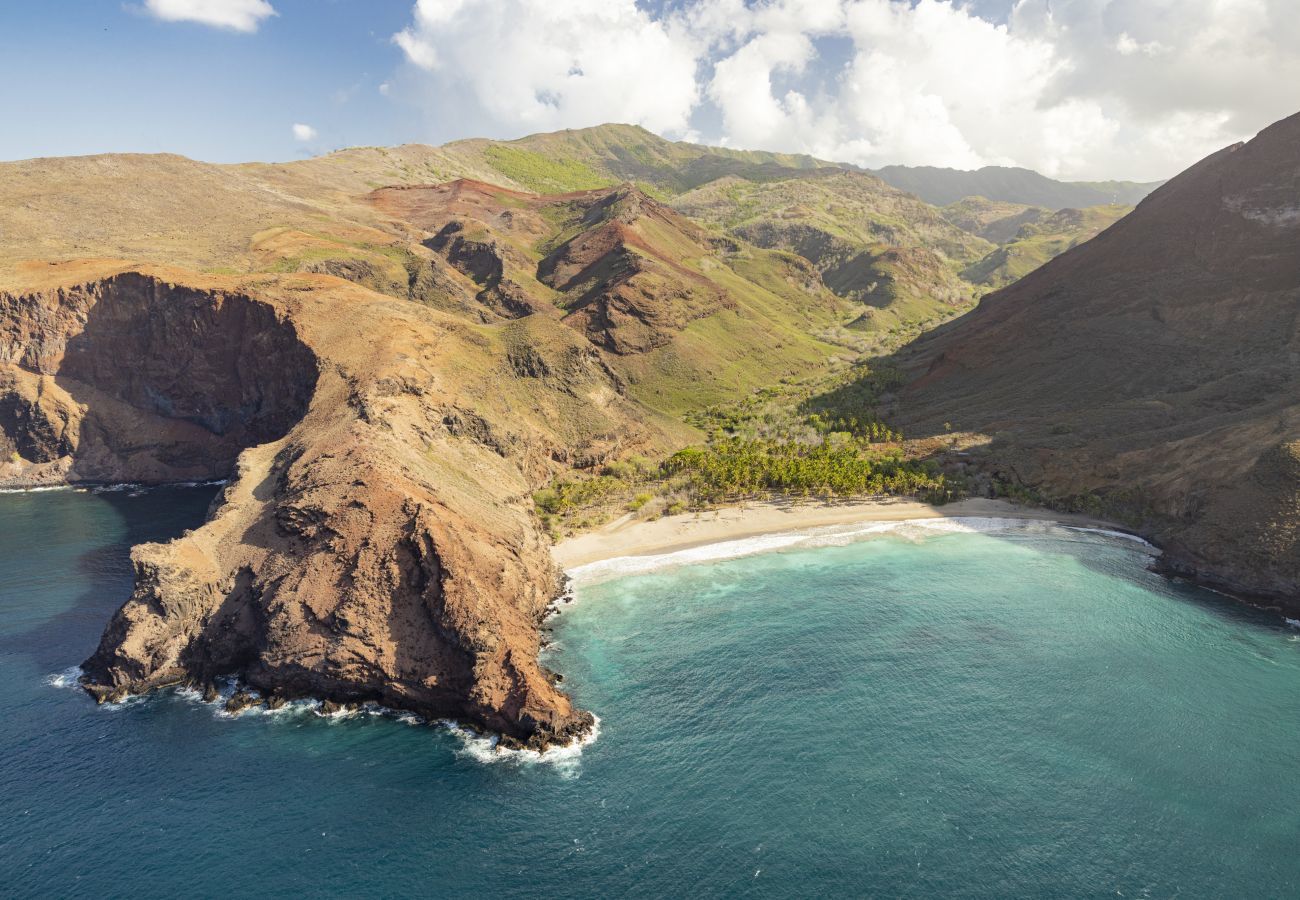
[
  {"x": 303, "y": 132},
  {"x": 1073, "y": 88},
  {"x": 508, "y": 65},
  {"x": 237, "y": 15}
]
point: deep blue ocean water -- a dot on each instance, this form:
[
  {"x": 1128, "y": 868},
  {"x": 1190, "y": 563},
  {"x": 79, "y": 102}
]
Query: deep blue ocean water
[{"x": 1026, "y": 714}]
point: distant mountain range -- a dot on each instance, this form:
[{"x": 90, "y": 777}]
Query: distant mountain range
[
  {"x": 1012, "y": 185},
  {"x": 905, "y": 263}
]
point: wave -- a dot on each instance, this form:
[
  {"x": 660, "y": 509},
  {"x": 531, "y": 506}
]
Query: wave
[
  {"x": 478, "y": 747},
  {"x": 487, "y": 749},
  {"x": 68, "y": 678},
  {"x": 1115, "y": 533},
  {"x": 134, "y": 489},
  {"x": 828, "y": 536}
]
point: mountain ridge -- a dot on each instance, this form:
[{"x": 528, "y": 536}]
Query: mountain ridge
[
  {"x": 1011, "y": 184},
  {"x": 1152, "y": 371}
]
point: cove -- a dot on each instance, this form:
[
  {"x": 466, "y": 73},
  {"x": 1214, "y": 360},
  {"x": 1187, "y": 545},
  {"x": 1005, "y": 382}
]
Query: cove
[{"x": 1024, "y": 713}]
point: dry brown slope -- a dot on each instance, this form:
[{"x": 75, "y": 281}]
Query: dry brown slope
[
  {"x": 376, "y": 541},
  {"x": 1156, "y": 367}
]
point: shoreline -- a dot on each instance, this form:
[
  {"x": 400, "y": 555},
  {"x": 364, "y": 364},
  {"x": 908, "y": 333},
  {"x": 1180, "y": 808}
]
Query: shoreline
[
  {"x": 108, "y": 487},
  {"x": 628, "y": 536}
]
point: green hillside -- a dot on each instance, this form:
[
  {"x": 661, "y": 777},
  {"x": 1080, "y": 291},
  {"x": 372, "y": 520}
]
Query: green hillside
[
  {"x": 872, "y": 244},
  {"x": 1039, "y": 240}
]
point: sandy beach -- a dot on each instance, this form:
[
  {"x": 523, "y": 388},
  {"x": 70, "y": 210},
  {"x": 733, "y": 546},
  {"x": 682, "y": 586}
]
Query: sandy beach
[{"x": 628, "y": 536}]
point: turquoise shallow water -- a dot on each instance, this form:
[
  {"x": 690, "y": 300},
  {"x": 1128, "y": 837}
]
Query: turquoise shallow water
[{"x": 974, "y": 715}]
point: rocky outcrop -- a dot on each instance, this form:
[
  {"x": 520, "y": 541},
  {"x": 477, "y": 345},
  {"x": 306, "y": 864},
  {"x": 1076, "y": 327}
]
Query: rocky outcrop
[
  {"x": 369, "y": 546},
  {"x": 484, "y": 261},
  {"x": 622, "y": 288},
  {"x": 1153, "y": 372}
]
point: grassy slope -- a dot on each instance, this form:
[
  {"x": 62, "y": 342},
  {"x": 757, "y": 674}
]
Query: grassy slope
[
  {"x": 1038, "y": 241},
  {"x": 768, "y": 332},
  {"x": 610, "y": 154},
  {"x": 872, "y": 243},
  {"x": 309, "y": 215}
]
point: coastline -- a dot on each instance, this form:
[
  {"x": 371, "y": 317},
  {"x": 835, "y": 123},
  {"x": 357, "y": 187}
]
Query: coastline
[{"x": 631, "y": 537}]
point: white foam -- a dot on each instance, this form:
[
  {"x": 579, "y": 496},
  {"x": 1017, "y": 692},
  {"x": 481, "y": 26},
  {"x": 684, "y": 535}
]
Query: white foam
[
  {"x": 131, "y": 488},
  {"x": 1111, "y": 532},
  {"x": 1294, "y": 623},
  {"x": 68, "y": 678},
  {"x": 487, "y": 749},
  {"x": 115, "y": 488},
  {"x": 825, "y": 536},
  {"x": 479, "y": 747}
]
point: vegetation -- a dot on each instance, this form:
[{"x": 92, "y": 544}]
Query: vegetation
[
  {"x": 839, "y": 466},
  {"x": 1038, "y": 240},
  {"x": 893, "y": 256},
  {"x": 816, "y": 438},
  {"x": 543, "y": 174}
]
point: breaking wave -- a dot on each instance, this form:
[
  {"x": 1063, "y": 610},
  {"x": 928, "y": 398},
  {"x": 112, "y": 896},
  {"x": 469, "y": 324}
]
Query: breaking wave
[
  {"x": 481, "y": 748},
  {"x": 68, "y": 678}
]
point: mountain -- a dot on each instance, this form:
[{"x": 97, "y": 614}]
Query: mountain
[
  {"x": 878, "y": 246},
  {"x": 896, "y": 257},
  {"x": 1010, "y": 185},
  {"x": 570, "y": 160},
  {"x": 1152, "y": 373},
  {"x": 994, "y": 220},
  {"x": 1041, "y": 236},
  {"x": 685, "y": 315}
]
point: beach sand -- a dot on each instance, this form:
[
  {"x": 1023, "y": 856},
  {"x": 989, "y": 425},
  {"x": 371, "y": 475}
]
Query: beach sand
[{"x": 628, "y": 536}]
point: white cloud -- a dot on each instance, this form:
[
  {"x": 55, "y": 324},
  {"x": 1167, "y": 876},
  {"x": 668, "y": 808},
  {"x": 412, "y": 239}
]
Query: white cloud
[
  {"x": 507, "y": 65},
  {"x": 1127, "y": 46},
  {"x": 385, "y": 88},
  {"x": 303, "y": 132},
  {"x": 237, "y": 15},
  {"x": 1073, "y": 88}
]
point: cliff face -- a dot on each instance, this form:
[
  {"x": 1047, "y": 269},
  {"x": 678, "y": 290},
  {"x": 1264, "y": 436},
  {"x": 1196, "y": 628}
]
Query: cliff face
[
  {"x": 375, "y": 541},
  {"x": 1154, "y": 370}
]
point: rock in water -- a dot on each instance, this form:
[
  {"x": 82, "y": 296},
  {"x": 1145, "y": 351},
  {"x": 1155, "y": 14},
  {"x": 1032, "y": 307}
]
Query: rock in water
[{"x": 242, "y": 700}]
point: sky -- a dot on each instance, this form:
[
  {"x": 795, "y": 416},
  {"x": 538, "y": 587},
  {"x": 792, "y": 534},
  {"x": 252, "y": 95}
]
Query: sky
[{"x": 1077, "y": 89}]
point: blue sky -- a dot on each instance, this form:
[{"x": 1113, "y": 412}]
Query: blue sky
[
  {"x": 90, "y": 76},
  {"x": 1074, "y": 88}
]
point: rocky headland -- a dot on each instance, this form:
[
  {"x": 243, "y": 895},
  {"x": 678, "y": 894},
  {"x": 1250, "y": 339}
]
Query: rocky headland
[{"x": 375, "y": 541}]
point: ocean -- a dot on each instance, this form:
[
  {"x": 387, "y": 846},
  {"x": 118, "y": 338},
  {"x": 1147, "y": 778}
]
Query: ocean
[{"x": 989, "y": 712}]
